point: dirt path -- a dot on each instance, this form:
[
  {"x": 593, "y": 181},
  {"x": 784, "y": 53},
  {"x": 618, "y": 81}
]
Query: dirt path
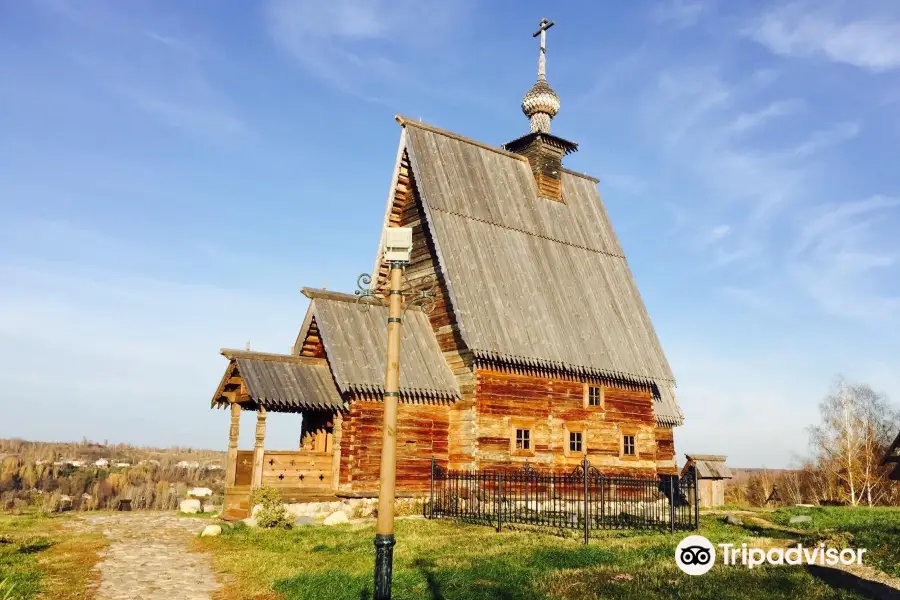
[{"x": 148, "y": 557}]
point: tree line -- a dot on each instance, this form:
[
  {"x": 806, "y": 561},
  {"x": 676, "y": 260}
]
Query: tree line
[
  {"x": 38, "y": 475},
  {"x": 856, "y": 427}
]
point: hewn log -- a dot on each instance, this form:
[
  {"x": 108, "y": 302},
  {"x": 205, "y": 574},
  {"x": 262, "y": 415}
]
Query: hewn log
[{"x": 259, "y": 448}]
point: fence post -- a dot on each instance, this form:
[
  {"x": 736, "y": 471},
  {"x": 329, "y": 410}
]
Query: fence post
[
  {"x": 431, "y": 492},
  {"x": 672, "y": 503},
  {"x": 526, "y": 488},
  {"x": 587, "y": 506},
  {"x": 696, "y": 499},
  {"x": 499, "y": 502}
]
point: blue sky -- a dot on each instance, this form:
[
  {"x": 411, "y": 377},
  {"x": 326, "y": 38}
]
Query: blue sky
[{"x": 171, "y": 174}]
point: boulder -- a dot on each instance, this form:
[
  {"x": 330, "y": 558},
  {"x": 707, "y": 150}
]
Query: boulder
[
  {"x": 211, "y": 530},
  {"x": 733, "y": 520},
  {"x": 190, "y": 506},
  {"x": 256, "y": 508},
  {"x": 338, "y": 517},
  {"x": 303, "y": 521},
  {"x": 249, "y": 521},
  {"x": 200, "y": 492},
  {"x": 801, "y": 519},
  {"x": 209, "y": 508}
]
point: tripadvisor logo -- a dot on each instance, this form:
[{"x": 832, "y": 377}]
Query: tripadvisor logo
[{"x": 695, "y": 555}]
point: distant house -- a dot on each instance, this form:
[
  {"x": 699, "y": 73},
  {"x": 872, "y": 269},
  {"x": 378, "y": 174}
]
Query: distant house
[
  {"x": 214, "y": 467},
  {"x": 712, "y": 473},
  {"x": 893, "y": 456},
  {"x": 101, "y": 462},
  {"x": 122, "y": 465},
  {"x": 76, "y": 463},
  {"x": 187, "y": 464}
]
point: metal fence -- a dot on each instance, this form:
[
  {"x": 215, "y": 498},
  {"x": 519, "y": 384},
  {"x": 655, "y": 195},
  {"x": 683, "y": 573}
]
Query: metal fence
[{"x": 584, "y": 499}]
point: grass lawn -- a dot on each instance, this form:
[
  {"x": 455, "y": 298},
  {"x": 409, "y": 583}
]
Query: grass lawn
[
  {"x": 445, "y": 559},
  {"x": 876, "y": 529},
  {"x": 39, "y": 559}
]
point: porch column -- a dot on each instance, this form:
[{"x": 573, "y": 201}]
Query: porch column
[
  {"x": 231, "y": 460},
  {"x": 259, "y": 448}
]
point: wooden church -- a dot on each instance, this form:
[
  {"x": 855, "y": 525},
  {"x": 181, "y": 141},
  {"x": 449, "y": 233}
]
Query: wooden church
[{"x": 539, "y": 348}]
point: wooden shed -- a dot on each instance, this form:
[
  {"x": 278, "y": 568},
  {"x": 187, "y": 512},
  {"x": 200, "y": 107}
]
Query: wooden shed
[
  {"x": 893, "y": 456},
  {"x": 712, "y": 473}
]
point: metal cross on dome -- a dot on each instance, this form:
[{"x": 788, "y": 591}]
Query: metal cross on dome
[{"x": 542, "y": 61}]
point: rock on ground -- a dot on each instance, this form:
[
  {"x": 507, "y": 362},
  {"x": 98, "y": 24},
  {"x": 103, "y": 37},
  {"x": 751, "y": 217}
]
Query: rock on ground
[
  {"x": 190, "y": 506},
  {"x": 303, "y": 521},
  {"x": 801, "y": 519},
  {"x": 211, "y": 530},
  {"x": 148, "y": 558},
  {"x": 336, "y": 518},
  {"x": 733, "y": 520}
]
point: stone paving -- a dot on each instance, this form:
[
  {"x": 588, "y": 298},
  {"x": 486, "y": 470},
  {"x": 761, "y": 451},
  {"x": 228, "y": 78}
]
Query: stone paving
[{"x": 148, "y": 557}]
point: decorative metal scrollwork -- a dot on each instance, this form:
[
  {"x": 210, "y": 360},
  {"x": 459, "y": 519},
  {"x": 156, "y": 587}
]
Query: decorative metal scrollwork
[
  {"x": 365, "y": 295},
  {"x": 424, "y": 293},
  {"x": 438, "y": 471},
  {"x": 578, "y": 472}
]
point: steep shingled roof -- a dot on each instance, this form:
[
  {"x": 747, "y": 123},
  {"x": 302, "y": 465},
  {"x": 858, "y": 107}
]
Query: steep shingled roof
[
  {"x": 534, "y": 282},
  {"x": 356, "y": 340}
]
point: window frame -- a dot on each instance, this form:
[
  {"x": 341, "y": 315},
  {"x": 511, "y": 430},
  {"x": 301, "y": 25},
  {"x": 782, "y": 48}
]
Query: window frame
[
  {"x": 587, "y": 397},
  {"x": 568, "y": 430},
  {"x": 633, "y": 435},
  {"x": 579, "y": 441},
  {"x": 514, "y": 428}
]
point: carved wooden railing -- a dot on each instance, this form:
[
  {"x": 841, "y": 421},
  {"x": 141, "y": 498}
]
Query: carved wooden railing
[{"x": 297, "y": 469}]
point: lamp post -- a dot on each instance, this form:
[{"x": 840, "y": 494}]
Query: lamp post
[{"x": 396, "y": 252}]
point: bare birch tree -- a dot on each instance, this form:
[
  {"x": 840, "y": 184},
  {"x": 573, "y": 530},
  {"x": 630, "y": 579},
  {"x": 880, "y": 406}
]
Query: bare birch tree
[{"x": 848, "y": 444}]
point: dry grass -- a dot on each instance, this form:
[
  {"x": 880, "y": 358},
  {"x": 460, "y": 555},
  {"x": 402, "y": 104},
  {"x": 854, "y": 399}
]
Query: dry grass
[{"x": 45, "y": 559}]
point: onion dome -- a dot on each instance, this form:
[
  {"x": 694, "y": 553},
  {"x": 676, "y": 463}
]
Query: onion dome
[{"x": 540, "y": 104}]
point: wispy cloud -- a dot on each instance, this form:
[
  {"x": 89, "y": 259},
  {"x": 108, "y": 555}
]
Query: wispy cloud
[
  {"x": 838, "y": 252},
  {"x": 680, "y": 13},
  {"x": 825, "y": 138},
  {"x": 749, "y": 121},
  {"x": 372, "y": 49},
  {"x": 162, "y": 73},
  {"x": 834, "y": 31}
]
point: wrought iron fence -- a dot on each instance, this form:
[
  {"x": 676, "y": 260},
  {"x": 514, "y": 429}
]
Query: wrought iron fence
[{"x": 584, "y": 499}]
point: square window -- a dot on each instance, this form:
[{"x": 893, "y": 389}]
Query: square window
[
  {"x": 595, "y": 395},
  {"x": 575, "y": 441},
  {"x": 628, "y": 445},
  {"x": 523, "y": 439}
]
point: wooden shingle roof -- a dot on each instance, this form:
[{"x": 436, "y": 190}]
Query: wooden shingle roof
[
  {"x": 709, "y": 466},
  {"x": 355, "y": 343},
  {"x": 282, "y": 383},
  {"x": 534, "y": 282}
]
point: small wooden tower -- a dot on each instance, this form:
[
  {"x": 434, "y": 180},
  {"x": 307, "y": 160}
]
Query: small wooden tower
[{"x": 712, "y": 473}]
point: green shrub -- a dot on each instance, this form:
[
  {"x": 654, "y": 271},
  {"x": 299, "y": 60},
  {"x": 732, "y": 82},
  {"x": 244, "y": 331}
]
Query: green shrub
[
  {"x": 266, "y": 495},
  {"x": 272, "y": 514}
]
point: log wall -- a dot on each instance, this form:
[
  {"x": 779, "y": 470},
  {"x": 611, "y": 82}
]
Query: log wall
[
  {"x": 550, "y": 408},
  {"x": 407, "y": 211},
  {"x": 422, "y": 432}
]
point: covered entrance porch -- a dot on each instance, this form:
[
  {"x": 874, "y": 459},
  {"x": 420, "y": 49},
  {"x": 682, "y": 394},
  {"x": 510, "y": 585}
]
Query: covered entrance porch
[{"x": 270, "y": 383}]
